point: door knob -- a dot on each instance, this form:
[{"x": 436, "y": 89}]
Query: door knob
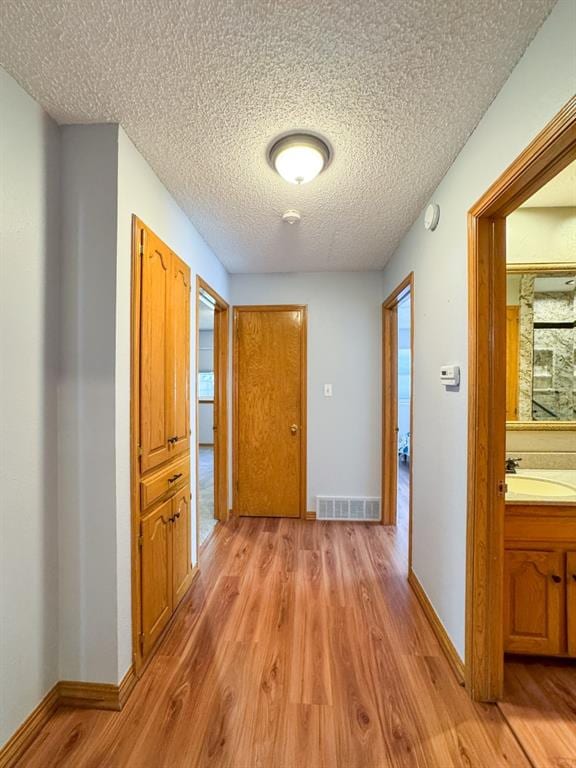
[{"x": 294, "y": 429}]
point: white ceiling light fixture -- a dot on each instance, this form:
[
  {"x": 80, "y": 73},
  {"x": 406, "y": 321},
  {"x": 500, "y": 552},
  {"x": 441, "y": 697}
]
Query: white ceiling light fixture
[{"x": 299, "y": 157}]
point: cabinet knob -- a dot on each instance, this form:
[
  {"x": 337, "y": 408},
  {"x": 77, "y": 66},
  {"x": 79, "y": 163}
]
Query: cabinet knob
[
  {"x": 556, "y": 579},
  {"x": 174, "y": 478},
  {"x": 177, "y": 515},
  {"x": 574, "y": 576},
  {"x": 173, "y": 439}
]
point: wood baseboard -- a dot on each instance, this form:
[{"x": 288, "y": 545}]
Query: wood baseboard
[
  {"x": 66, "y": 693},
  {"x": 72, "y": 693},
  {"x": 26, "y": 733},
  {"x": 311, "y": 515},
  {"x": 441, "y": 635}
]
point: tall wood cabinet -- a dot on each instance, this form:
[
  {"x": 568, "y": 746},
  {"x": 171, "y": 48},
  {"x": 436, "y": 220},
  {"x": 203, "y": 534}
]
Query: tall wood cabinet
[{"x": 162, "y": 570}]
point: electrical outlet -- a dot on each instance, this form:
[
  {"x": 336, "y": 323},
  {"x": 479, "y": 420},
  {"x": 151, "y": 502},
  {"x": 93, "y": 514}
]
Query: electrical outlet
[{"x": 327, "y": 390}]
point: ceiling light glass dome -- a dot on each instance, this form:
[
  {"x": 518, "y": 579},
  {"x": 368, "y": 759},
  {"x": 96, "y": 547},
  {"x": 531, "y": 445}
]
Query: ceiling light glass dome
[{"x": 299, "y": 157}]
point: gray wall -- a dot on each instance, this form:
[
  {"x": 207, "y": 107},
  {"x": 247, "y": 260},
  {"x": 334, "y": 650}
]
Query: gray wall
[
  {"x": 344, "y": 332},
  {"x": 87, "y": 472},
  {"x": 541, "y": 84},
  {"x": 29, "y": 296}
]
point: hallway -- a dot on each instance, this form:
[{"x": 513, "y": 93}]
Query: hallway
[
  {"x": 206, "y": 491},
  {"x": 300, "y": 644}
]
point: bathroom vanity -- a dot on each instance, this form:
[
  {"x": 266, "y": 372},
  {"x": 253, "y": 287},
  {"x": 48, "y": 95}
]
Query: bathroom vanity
[{"x": 540, "y": 563}]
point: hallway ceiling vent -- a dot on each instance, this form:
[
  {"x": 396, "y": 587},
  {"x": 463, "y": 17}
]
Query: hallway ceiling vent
[{"x": 347, "y": 508}]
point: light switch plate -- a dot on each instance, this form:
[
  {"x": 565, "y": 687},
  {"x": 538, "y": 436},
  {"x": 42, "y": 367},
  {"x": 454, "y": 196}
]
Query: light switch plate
[{"x": 327, "y": 390}]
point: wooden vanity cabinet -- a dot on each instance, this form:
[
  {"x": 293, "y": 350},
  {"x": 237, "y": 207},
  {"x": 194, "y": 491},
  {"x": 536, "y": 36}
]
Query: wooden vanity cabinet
[
  {"x": 571, "y": 601},
  {"x": 540, "y": 580},
  {"x": 161, "y": 420},
  {"x": 534, "y": 600}
]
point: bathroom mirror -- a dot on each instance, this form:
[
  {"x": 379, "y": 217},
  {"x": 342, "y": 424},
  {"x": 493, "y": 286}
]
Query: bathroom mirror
[{"x": 541, "y": 346}]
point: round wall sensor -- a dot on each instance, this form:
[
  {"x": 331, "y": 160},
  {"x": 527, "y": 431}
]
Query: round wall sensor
[
  {"x": 291, "y": 217},
  {"x": 431, "y": 216}
]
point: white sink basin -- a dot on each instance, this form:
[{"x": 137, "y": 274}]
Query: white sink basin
[{"x": 538, "y": 486}]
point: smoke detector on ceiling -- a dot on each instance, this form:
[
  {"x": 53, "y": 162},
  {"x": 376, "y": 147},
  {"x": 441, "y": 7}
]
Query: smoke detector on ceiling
[{"x": 291, "y": 217}]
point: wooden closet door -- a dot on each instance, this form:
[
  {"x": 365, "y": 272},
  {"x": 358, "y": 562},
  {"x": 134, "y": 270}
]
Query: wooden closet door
[
  {"x": 155, "y": 377},
  {"x": 181, "y": 566},
  {"x": 269, "y": 381},
  {"x": 179, "y": 398},
  {"x": 156, "y": 553}
]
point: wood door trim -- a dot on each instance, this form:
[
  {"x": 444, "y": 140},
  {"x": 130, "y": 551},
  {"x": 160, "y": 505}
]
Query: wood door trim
[
  {"x": 303, "y": 395},
  {"x": 390, "y": 405},
  {"x": 138, "y": 235},
  {"x": 220, "y": 402},
  {"x": 550, "y": 152}
]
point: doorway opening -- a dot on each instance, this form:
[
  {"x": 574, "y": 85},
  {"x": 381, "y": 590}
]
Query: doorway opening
[
  {"x": 397, "y": 387},
  {"x": 211, "y": 410},
  {"x": 503, "y": 556}
]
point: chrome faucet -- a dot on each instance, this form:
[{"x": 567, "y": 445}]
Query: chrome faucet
[{"x": 512, "y": 465}]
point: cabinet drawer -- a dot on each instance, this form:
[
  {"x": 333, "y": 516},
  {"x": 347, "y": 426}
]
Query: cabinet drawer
[{"x": 169, "y": 479}]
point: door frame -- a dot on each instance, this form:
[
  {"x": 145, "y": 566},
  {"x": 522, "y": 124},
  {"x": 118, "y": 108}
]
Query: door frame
[
  {"x": 549, "y": 153},
  {"x": 303, "y": 396},
  {"x": 221, "y": 324},
  {"x": 390, "y": 404}
]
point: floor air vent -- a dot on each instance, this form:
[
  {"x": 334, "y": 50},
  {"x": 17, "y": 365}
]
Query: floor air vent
[{"x": 347, "y": 508}]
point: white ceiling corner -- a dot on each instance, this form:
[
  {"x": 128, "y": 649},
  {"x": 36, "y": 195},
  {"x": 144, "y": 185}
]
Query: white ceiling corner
[{"x": 202, "y": 88}]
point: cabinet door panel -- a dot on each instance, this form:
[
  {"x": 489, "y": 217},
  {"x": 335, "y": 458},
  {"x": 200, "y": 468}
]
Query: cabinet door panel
[
  {"x": 156, "y": 558},
  {"x": 182, "y": 569},
  {"x": 534, "y": 602},
  {"x": 571, "y": 601},
  {"x": 154, "y": 354},
  {"x": 179, "y": 314}
]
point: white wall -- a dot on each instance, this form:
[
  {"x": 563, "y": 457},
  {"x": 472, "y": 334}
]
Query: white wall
[
  {"x": 140, "y": 192},
  {"x": 541, "y": 84},
  {"x": 344, "y": 319},
  {"x": 541, "y": 235},
  {"x": 87, "y": 470},
  {"x": 29, "y": 278},
  {"x": 206, "y": 423}
]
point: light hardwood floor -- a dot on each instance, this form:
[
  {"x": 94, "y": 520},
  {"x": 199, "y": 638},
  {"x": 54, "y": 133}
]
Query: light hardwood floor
[
  {"x": 300, "y": 645},
  {"x": 540, "y": 705}
]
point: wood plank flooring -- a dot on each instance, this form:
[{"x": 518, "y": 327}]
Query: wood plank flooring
[
  {"x": 540, "y": 705},
  {"x": 300, "y": 645}
]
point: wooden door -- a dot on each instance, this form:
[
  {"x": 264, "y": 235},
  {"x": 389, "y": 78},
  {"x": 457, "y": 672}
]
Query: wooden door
[
  {"x": 179, "y": 358},
  {"x": 534, "y": 602},
  {"x": 512, "y": 361},
  {"x": 571, "y": 601},
  {"x": 181, "y": 565},
  {"x": 155, "y": 379},
  {"x": 269, "y": 386},
  {"x": 156, "y": 556}
]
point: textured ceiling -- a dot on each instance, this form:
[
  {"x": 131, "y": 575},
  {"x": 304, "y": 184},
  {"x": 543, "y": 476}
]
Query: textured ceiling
[{"x": 202, "y": 88}]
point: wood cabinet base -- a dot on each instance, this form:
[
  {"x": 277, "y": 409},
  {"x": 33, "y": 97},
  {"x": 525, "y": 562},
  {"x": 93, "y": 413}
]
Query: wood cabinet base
[{"x": 540, "y": 580}]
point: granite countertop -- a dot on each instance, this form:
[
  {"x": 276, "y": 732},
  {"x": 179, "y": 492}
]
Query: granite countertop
[{"x": 566, "y": 476}]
